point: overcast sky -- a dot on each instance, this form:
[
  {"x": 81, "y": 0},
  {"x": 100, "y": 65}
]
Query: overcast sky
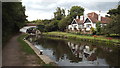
[{"x": 43, "y": 9}]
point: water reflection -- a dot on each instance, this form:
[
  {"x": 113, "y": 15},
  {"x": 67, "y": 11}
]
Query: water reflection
[
  {"x": 70, "y": 53},
  {"x": 83, "y": 52}
]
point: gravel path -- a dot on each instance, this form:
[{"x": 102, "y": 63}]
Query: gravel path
[{"x": 12, "y": 55}]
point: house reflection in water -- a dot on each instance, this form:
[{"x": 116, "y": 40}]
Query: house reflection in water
[
  {"x": 83, "y": 51},
  {"x": 75, "y": 53}
]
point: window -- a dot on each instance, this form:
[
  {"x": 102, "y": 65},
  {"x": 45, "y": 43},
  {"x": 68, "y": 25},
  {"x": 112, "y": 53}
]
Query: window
[{"x": 88, "y": 25}]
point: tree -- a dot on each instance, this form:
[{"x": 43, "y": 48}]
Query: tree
[
  {"x": 59, "y": 14},
  {"x": 113, "y": 12},
  {"x": 114, "y": 25},
  {"x": 64, "y": 23},
  {"x": 41, "y": 28},
  {"x": 72, "y": 13},
  {"x": 98, "y": 27},
  {"x": 13, "y": 18},
  {"x": 76, "y": 10},
  {"x": 53, "y": 26}
]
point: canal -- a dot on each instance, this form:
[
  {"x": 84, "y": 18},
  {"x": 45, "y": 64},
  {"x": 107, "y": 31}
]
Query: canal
[{"x": 76, "y": 53}]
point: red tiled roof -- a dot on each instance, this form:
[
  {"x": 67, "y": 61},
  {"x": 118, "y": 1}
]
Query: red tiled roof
[
  {"x": 105, "y": 19},
  {"x": 79, "y": 21},
  {"x": 94, "y": 18},
  {"x": 93, "y": 14}
]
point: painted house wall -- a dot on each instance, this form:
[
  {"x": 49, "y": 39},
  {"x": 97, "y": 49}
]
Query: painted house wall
[{"x": 75, "y": 26}]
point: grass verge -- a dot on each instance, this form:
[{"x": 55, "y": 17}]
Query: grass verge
[
  {"x": 81, "y": 37},
  {"x": 25, "y": 47},
  {"x": 29, "y": 51}
]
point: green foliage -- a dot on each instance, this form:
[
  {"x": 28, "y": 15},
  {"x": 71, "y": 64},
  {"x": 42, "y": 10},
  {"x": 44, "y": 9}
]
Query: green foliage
[
  {"x": 59, "y": 14},
  {"x": 114, "y": 25},
  {"x": 80, "y": 37},
  {"x": 13, "y": 18},
  {"x": 93, "y": 31},
  {"x": 41, "y": 28},
  {"x": 25, "y": 47},
  {"x": 113, "y": 12},
  {"x": 98, "y": 27},
  {"x": 60, "y": 20},
  {"x": 76, "y": 10},
  {"x": 64, "y": 23},
  {"x": 53, "y": 26}
]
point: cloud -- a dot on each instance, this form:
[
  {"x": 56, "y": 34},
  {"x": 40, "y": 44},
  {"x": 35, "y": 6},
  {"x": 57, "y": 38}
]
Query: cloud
[
  {"x": 43, "y": 9},
  {"x": 102, "y": 6}
]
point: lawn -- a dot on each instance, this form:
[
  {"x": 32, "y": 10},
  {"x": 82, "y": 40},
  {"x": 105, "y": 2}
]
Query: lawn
[{"x": 74, "y": 36}]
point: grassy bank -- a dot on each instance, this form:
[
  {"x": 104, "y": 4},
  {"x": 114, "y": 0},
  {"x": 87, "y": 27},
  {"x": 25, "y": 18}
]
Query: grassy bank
[
  {"x": 29, "y": 51},
  {"x": 83, "y": 37},
  {"x": 25, "y": 47}
]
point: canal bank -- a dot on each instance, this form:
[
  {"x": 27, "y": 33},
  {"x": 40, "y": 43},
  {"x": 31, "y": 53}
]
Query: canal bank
[
  {"x": 45, "y": 58},
  {"x": 14, "y": 55},
  {"x": 29, "y": 49},
  {"x": 66, "y": 52},
  {"x": 94, "y": 38}
]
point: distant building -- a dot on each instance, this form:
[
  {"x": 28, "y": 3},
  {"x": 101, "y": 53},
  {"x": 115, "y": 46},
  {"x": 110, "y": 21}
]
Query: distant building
[{"x": 85, "y": 23}]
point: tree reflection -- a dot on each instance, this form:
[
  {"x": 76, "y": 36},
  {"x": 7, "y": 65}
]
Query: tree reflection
[{"x": 78, "y": 51}]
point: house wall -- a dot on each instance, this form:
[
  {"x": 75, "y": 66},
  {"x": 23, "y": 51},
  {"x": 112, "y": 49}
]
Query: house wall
[
  {"x": 73, "y": 26},
  {"x": 94, "y": 25},
  {"x": 89, "y": 23},
  {"x": 80, "y": 26},
  {"x": 77, "y": 26}
]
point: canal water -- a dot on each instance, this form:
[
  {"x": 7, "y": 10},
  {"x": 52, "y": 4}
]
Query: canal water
[{"x": 76, "y": 53}]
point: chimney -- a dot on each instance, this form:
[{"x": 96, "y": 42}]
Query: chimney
[
  {"x": 99, "y": 16},
  {"x": 81, "y": 17},
  {"x": 77, "y": 17}
]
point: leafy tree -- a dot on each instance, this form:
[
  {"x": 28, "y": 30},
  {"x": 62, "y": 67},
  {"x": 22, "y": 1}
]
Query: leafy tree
[
  {"x": 76, "y": 10},
  {"x": 59, "y": 14},
  {"x": 72, "y": 13},
  {"x": 44, "y": 22},
  {"x": 13, "y": 18},
  {"x": 41, "y": 28},
  {"x": 53, "y": 26},
  {"x": 113, "y": 12},
  {"x": 98, "y": 27},
  {"x": 64, "y": 23},
  {"x": 114, "y": 25}
]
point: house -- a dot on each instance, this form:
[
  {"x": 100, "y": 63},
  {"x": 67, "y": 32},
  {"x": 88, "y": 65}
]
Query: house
[
  {"x": 77, "y": 23},
  {"x": 85, "y": 23}
]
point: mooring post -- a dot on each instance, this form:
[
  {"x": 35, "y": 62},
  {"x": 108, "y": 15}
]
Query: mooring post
[{"x": 41, "y": 52}]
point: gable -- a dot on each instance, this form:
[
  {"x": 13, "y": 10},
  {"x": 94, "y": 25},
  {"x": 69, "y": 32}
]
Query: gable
[
  {"x": 87, "y": 20},
  {"x": 74, "y": 22}
]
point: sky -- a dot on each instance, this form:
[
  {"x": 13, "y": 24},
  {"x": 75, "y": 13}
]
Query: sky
[{"x": 44, "y": 9}]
